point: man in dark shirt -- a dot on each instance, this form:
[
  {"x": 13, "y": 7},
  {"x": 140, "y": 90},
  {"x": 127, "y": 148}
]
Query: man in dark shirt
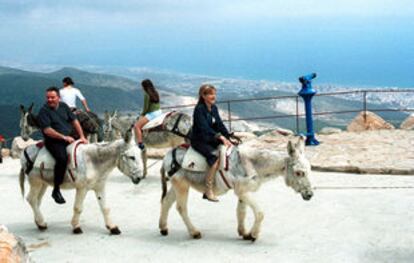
[{"x": 57, "y": 121}]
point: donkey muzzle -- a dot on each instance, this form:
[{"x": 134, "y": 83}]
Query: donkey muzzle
[
  {"x": 136, "y": 180},
  {"x": 307, "y": 195}
]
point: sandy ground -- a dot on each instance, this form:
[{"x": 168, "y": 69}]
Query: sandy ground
[{"x": 347, "y": 225}]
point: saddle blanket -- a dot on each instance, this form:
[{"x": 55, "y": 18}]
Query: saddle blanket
[
  {"x": 194, "y": 161},
  {"x": 45, "y": 160},
  {"x": 156, "y": 122}
]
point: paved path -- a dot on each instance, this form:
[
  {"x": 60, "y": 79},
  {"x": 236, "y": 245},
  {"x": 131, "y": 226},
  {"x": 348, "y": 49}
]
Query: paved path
[{"x": 347, "y": 225}]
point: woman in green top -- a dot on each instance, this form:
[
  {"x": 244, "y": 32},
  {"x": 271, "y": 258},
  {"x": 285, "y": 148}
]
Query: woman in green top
[{"x": 150, "y": 111}]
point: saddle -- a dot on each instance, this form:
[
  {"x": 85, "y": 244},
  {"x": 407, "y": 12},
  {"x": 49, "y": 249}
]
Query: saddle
[
  {"x": 194, "y": 161},
  {"x": 45, "y": 161},
  {"x": 157, "y": 123}
]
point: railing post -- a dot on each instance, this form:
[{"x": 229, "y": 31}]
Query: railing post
[
  {"x": 297, "y": 114},
  {"x": 229, "y": 114}
]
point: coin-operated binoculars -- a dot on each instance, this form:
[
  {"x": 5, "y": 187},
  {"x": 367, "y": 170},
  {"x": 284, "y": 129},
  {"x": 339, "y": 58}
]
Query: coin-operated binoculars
[{"x": 307, "y": 93}]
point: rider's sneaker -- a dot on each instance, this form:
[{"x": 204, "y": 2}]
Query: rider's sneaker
[{"x": 141, "y": 146}]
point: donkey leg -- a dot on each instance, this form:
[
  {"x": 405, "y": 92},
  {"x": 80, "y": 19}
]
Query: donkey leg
[
  {"x": 77, "y": 210},
  {"x": 258, "y": 218},
  {"x": 101, "y": 197},
  {"x": 144, "y": 162},
  {"x": 181, "y": 188},
  {"x": 166, "y": 204},
  {"x": 241, "y": 216},
  {"x": 36, "y": 189}
]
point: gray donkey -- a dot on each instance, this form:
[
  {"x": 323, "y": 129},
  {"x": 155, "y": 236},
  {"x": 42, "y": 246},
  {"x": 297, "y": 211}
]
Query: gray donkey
[
  {"x": 249, "y": 168},
  {"x": 174, "y": 131}
]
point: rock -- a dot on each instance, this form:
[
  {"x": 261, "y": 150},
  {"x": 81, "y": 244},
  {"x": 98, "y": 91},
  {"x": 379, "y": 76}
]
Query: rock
[
  {"x": 284, "y": 132},
  {"x": 275, "y": 133},
  {"x": 12, "y": 248},
  {"x": 5, "y": 152},
  {"x": 408, "y": 123},
  {"x": 371, "y": 122},
  {"x": 329, "y": 130},
  {"x": 18, "y": 145}
]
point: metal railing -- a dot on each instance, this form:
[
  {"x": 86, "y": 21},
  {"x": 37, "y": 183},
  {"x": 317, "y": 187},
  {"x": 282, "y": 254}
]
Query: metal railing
[{"x": 299, "y": 114}]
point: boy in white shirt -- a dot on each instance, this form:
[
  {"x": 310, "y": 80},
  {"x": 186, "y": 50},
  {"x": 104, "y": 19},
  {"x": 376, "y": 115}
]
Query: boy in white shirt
[{"x": 69, "y": 94}]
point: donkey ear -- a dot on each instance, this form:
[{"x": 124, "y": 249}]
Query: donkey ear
[
  {"x": 128, "y": 135},
  {"x": 291, "y": 149},
  {"x": 30, "y": 108},
  {"x": 300, "y": 145},
  {"x": 22, "y": 109},
  {"x": 115, "y": 113},
  {"x": 106, "y": 116}
]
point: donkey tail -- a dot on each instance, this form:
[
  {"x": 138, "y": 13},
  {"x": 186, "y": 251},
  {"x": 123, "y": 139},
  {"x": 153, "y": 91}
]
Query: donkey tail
[
  {"x": 22, "y": 178},
  {"x": 164, "y": 180}
]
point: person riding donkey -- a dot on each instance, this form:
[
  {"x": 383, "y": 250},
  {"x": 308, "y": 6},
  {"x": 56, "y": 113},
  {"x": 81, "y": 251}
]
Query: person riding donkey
[
  {"x": 208, "y": 132},
  {"x": 150, "y": 111},
  {"x": 89, "y": 120},
  {"x": 56, "y": 121}
]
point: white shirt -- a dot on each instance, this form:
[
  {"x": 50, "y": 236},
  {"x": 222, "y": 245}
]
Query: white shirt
[{"x": 69, "y": 94}]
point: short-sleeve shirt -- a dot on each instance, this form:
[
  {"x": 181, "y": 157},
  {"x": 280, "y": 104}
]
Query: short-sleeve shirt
[
  {"x": 68, "y": 95},
  {"x": 59, "y": 119}
]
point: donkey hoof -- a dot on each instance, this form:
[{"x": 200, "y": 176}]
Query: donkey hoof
[
  {"x": 77, "y": 230},
  {"x": 249, "y": 237},
  {"x": 115, "y": 231},
  {"x": 197, "y": 235},
  {"x": 164, "y": 232},
  {"x": 41, "y": 227}
]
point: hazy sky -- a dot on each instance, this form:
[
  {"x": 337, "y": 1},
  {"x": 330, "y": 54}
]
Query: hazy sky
[{"x": 364, "y": 42}]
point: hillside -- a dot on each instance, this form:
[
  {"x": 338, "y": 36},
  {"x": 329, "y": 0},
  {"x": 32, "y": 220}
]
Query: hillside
[{"x": 118, "y": 88}]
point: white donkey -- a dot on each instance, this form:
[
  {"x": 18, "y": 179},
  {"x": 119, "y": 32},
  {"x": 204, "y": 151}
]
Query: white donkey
[
  {"x": 261, "y": 165},
  {"x": 175, "y": 128},
  {"x": 94, "y": 163}
]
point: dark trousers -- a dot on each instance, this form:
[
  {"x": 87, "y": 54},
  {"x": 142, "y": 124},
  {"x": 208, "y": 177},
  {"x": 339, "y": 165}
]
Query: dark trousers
[
  {"x": 57, "y": 149},
  {"x": 206, "y": 150}
]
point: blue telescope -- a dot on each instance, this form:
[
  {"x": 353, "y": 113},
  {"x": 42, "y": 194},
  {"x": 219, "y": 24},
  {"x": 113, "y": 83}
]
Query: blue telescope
[
  {"x": 307, "y": 92},
  {"x": 307, "y": 78}
]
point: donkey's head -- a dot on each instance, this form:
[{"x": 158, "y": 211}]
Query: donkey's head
[
  {"x": 109, "y": 131},
  {"x": 27, "y": 122},
  {"x": 298, "y": 169},
  {"x": 130, "y": 162},
  {"x": 178, "y": 123}
]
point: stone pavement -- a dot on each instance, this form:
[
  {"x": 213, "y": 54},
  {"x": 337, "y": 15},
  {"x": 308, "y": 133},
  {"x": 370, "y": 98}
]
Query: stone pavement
[{"x": 374, "y": 152}]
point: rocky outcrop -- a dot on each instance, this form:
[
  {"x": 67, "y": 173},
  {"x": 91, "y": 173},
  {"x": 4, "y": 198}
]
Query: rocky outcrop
[
  {"x": 329, "y": 130},
  {"x": 373, "y": 152},
  {"x": 18, "y": 146},
  {"x": 12, "y": 248},
  {"x": 368, "y": 121},
  {"x": 408, "y": 123}
]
